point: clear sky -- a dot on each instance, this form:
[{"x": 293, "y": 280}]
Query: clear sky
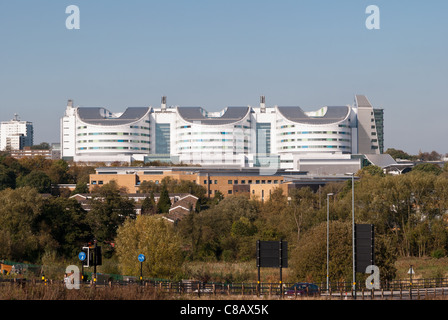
[{"x": 218, "y": 53}]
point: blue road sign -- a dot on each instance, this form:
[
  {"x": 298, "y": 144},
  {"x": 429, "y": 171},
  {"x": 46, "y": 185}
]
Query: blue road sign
[
  {"x": 141, "y": 257},
  {"x": 82, "y": 256}
]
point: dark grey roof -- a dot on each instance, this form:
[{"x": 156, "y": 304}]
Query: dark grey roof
[
  {"x": 333, "y": 115},
  {"x": 93, "y": 116},
  {"x": 381, "y": 160},
  {"x": 196, "y": 114}
]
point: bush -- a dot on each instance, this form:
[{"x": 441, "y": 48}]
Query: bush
[{"x": 438, "y": 253}]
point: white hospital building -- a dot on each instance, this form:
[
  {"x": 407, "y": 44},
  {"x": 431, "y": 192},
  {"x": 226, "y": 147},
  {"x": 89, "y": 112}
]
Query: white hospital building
[{"x": 243, "y": 136}]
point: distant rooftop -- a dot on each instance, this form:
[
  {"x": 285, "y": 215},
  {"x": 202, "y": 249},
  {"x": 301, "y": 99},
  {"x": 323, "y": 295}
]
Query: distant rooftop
[
  {"x": 96, "y": 116},
  {"x": 198, "y": 114},
  {"x": 332, "y": 115}
]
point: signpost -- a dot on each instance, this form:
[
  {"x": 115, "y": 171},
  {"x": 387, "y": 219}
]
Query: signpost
[
  {"x": 91, "y": 256},
  {"x": 365, "y": 245},
  {"x": 272, "y": 254},
  {"x": 410, "y": 272},
  {"x": 141, "y": 258},
  {"x": 82, "y": 256}
]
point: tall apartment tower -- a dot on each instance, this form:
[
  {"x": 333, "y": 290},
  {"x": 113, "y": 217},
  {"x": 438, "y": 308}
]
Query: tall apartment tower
[{"x": 16, "y": 134}]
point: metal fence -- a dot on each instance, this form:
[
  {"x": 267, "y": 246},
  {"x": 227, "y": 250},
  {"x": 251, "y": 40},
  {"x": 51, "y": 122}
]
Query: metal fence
[{"x": 393, "y": 290}]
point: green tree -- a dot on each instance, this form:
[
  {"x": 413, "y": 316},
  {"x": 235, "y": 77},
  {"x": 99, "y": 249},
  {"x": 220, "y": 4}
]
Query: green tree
[
  {"x": 399, "y": 154},
  {"x": 155, "y": 238},
  {"x": 164, "y": 203},
  {"x": 108, "y": 211},
  {"x": 7, "y": 178},
  {"x": 149, "y": 205},
  {"x": 372, "y": 170},
  {"x": 65, "y": 220},
  {"x": 35, "y": 179},
  {"x": 427, "y": 168},
  {"x": 218, "y": 232},
  {"x": 20, "y": 235},
  {"x": 81, "y": 187},
  {"x": 58, "y": 172},
  {"x": 308, "y": 262}
]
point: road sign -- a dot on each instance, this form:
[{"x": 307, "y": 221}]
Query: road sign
[
  {"x": 364, "y": 246},
  {"x": 411, "y": 271},
  {"x": 272, "y": 254},
  {"x": 82, "y": 256},
  {"x": 141, "y": 257}
]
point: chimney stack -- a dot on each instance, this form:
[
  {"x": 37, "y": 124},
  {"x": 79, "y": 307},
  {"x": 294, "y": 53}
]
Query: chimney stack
[
  {"x": 70, "y": 103},
  {"x": 262, "y": 104},
  {"x": 163, "y": 103}
]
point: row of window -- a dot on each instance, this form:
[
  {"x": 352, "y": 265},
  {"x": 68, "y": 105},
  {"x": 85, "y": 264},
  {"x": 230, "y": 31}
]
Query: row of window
[
  {"x": 314, "y": 132},
  {"x": 293, "y": 126},
  {"x": 213, "y": 147},
  {"x": 315, "y": 139},
  {"x": 113, "y": 134},
  {"x": 126, "y": 141},
  {"x": 212, "y": 140},
  {"x": 132, "y": 127},
  {"x": 315, "y": 147},
  {"x": 204, "y": 133},
  {"x": 139, "y": 127},
  {"x": 113, "y": 148},
  {"x": 235, "y": 182}
]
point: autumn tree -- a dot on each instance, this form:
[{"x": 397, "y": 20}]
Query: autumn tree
[{"x": 155, "y": 238}]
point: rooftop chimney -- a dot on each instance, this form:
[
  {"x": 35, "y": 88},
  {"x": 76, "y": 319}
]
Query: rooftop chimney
[
  {"x": 262, "y": 104},
  {"x": 70, "y": 103},
  {"x": 163, "y": 103}
]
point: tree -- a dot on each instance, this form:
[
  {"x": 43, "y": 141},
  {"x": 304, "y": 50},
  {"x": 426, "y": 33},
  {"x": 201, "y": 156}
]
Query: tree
[
  {"x": 223, "y": 231},
  {"x": 149, "y": 205},
  {"x": 65, "y": 220},
  {"x": 164, "y": 203},
  {"x": 399, "y": 154},
  {"x": 427, "y": 168},
  {"x": 41, "y": 146},
  {"x": 81, "y": 187},
  {"x": 156, "y": 239},
  {"x": 58, "y": 172},
  {"x": 309, "y": 257},
  {"x": 7, "y": 178},
  {"x": 20, "y": 236},
  {"x": 108, "y": 211},
  {"x": 372, "y": 170},
  {"x": 36, "y": 179}
]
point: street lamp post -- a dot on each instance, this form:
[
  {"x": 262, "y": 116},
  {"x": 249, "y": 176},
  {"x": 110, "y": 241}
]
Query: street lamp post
[
  {"x": 353, "y": 232},
  {"x": 328, "y": 238}
]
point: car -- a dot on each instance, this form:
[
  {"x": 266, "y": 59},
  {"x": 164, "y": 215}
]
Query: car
[{"x": 302, "y": 289}]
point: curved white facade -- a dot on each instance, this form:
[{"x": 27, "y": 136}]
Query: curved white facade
[
  {"x": 243, "y": 136},
  {"x": 213, "y": 138},
  {"x": 332, "y": 135}
]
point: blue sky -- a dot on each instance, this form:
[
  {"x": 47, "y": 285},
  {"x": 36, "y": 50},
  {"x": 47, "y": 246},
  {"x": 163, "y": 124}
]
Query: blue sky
[{"x": 216, "y": 53}]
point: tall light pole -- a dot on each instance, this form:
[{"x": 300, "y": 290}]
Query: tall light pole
[
  {"x": 328, "y": 237},
  {"x": 353, "y": 232}
]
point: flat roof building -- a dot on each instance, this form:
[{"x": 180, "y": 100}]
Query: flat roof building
[{"x": 16, "y": 134}]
